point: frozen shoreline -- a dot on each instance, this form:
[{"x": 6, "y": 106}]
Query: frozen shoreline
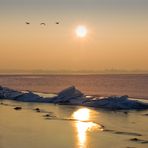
[{"x": 73, "y": 96}]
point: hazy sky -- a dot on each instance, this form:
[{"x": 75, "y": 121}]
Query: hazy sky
[{"x": 117, "y": 34}]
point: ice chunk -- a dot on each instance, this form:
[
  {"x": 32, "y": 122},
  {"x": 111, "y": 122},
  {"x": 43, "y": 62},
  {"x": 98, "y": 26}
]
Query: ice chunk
[
  {"x": 28, "y": 97},
  {"x": 117, "y": 102},
  {"x": 73, "y": 96},
  {"x": 70, "y": 93},
  {"x": 6, "y": 93}
]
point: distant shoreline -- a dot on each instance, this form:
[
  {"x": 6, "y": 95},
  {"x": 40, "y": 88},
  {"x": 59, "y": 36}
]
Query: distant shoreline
[
  {"x": 67, "y": 74},
  {"x": 72, "y": 72}
]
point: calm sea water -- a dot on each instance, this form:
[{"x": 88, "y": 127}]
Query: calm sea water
[{"x": 135, "y": 86}]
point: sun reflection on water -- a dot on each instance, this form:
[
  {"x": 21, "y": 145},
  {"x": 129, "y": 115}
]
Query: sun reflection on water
[
  {"x": 82, "y": 114},
  {"x": 83, "y": 125}
]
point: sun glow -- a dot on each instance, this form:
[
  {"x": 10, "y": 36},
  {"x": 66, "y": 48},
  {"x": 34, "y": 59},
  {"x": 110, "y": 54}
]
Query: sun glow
[{"x": 81, "y": 31}]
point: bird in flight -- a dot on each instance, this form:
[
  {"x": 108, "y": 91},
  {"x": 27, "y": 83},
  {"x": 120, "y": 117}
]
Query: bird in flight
[
  {"x": 43, "y": 24},
  {"x": 27, "y": 23},
  {"x": 57, "y": 23}
]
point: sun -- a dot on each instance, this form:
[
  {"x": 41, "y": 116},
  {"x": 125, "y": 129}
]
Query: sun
[{"x": 81, "y": 31}]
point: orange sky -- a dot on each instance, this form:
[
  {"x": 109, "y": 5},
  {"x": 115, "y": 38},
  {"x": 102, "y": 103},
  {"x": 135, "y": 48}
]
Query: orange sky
[{"x": 117, "y": 35}]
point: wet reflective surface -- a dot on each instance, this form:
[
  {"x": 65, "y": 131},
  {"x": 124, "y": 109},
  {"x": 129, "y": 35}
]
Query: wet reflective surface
[
  {"x": 83, "y": 126},
  {"x": 70, "y": 127}
]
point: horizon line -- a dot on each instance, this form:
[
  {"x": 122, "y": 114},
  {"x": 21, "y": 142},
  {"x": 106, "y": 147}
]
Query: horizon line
[{"x": 70, "y": 72}]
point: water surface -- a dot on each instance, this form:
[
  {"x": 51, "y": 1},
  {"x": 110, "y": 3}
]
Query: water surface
[
  {"x": 135, "y": 86},
  {"x": 72, "y": 126}
]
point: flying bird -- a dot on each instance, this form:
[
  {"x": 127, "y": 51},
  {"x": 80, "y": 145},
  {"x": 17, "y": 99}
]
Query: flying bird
[
  {"x": 57, "y": 23},
  {"x": 27, "y": 23},
  {"x": 43, "y": 24}
]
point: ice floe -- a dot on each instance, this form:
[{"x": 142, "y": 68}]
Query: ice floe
[{"x": 73, "y": 96}]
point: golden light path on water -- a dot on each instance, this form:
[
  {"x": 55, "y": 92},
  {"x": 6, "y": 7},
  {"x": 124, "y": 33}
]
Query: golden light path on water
[{"x": 84, "y": 125}]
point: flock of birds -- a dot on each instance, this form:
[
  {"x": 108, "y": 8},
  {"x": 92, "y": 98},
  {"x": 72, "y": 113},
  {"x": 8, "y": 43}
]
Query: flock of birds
[{"x": 43, "y": 24}]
